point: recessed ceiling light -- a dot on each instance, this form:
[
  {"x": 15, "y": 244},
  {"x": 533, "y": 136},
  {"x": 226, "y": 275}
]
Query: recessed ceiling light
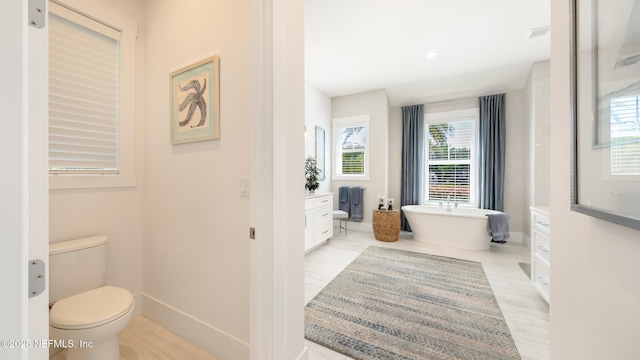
[
  {"x": 431, "y": 54},
  {"x": 535, "y": 32}
]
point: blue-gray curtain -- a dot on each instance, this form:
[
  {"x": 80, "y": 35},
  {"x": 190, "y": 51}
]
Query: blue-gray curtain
[
  {"x": 492, "y": 151},
  {"x": 412, "y": 158}
]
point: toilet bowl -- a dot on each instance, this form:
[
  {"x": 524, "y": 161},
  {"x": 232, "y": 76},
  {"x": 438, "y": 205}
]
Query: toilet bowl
[
  {"x": 87, "y": 324},
  {"x": 85, "y": 315}
]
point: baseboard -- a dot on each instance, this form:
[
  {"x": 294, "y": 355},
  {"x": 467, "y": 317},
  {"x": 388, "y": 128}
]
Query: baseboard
[
  {"x": 196, "y": 331},
  {"x": 360, "y": 226},
  {"x": 137, "y": 307},
  {"x": 320, "y": 352},
  {"x": 527, "y": 241},
  {"x": 516, "y": 238},
  {"x": 304, "y": 355}
]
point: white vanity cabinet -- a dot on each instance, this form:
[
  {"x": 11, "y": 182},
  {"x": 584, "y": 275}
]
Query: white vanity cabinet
[
  {"x": 541, "y": 250},
  {"x": 318, "y": 219}
]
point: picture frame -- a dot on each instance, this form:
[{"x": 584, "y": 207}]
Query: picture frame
[
  {"x": 195, "y": 101},
  {"x": 605, "y": 108},
  {"x": 320, "y": 151}
]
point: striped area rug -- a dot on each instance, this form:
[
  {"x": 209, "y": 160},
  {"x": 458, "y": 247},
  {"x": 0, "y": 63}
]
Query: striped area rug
[{"x": 394, "y": 304}]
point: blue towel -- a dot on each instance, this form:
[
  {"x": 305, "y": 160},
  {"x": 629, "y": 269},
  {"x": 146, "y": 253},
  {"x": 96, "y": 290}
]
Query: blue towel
[
  {"x": 498, "y": 227},
  {"x": 357, "y": 210},
  {"x": 343, "y": 199}
]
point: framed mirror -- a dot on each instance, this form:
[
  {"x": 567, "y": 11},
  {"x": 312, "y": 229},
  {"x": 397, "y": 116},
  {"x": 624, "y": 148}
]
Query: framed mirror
[
  {"x": 605, "y": 63},
  {"x": 320, "y": 151}
]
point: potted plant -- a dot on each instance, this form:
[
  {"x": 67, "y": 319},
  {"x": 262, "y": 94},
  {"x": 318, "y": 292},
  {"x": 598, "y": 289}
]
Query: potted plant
[{"x": 311, "y": 172}]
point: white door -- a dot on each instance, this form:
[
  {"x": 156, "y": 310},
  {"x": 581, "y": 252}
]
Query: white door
[
  {"x": 38, "y": 180},
  {"x": 23, "y": 186}
]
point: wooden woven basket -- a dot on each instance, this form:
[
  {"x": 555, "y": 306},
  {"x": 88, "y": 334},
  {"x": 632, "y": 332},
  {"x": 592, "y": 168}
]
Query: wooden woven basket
[{"x": 386, "y": 225}]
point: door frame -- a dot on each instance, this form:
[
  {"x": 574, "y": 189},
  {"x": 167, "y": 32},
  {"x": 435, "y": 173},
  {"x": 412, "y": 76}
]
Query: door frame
[
  {"x": 277, "y": 192},
  {"x": 24, "y": 191}
]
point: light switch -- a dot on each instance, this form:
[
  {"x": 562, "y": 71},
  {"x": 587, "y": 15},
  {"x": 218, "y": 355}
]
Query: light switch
[{"x": 245, "y": 187}]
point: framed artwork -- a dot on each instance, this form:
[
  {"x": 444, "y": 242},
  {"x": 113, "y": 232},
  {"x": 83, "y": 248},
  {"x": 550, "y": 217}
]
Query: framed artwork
[
  {"x": 605, "y": 64},
  {"x": 195, "y": 102},
  {"x": 320, "y": 151}
]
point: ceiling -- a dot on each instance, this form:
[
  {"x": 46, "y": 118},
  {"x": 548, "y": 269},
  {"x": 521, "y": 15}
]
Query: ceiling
[{"x": 353, "y": 46}]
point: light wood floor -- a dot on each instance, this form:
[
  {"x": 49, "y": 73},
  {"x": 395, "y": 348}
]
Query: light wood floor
[
  {"x": 525, "y": 311},
  {"x": 143, "y": 339}
]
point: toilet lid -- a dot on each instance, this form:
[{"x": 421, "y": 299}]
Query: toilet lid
[{"x": 91, "y": 308}]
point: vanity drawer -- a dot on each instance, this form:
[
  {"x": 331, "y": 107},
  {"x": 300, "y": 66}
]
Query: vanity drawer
[
  {"x": 323, "y": 214},
  {"x": 541, "y": 221},
  {"x": 323, "y": 201},
  {"x": 309, "y": 204},
  {"x": 542, "y": 246},
  {"x": 324, "y": 232},
  {"x": 541, "y": 279},
  {"x": 541, "y": 250}
]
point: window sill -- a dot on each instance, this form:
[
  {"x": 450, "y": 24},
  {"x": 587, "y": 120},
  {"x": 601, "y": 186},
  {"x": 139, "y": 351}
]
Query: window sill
[
  {"x": 351, "y": 177},
  {"x": 61, "y": 182}
]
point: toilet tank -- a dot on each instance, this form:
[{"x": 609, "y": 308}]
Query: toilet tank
[{"x": 76, "y": 266}]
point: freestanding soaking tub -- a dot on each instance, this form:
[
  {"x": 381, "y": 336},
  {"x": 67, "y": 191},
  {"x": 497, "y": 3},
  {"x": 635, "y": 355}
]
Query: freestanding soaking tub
[{"x": 452, "y": 227}]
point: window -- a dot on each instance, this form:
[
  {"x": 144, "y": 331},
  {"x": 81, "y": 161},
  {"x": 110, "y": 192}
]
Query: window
[
  {"x": 625, "y": 135},
  {"x": 351, "y": 151},
  {"x": 451, "y": 156},
  {"x": 91, "y": 84}
]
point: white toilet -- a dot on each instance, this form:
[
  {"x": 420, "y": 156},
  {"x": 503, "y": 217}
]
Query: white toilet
[{"x": 86, "y": 316}]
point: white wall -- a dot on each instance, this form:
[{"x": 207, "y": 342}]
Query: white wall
[
  {"x": 318, "y": 113},
  {"x": 529, "y": 141},
  {"x": 595, "y": 290},
  {"x": 115, "y": 212},
  {"x": 537, "y": 139},
  {"x": 542, "y": 132},
  {"x": 196, "y": 250},
  {"x": 514, "y": 161},
  {"x": 375, "y": 104}
]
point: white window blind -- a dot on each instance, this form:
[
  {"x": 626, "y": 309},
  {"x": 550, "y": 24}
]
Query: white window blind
[
  {"x": 450, "y": 164},
  {"x": 351, "y": 148},
  {"x": 83, "y": 94},
  {"x": 353, "y": 140},
  {"x": 625, "y": 135}
]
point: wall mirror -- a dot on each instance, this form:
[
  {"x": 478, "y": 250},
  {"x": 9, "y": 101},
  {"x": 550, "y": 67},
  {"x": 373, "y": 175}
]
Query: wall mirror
[
  {"x": 320, "y": 151},
  {"x": 606, "y": 110}
]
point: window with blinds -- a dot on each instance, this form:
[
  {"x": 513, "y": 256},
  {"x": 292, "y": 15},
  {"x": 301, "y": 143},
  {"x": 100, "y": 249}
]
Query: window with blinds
[
  {"x": 351, "y": 150},
  {"x": 451, "y": 160},
  {"x": 625, "y": 135},
  {"x": 83, "y": 94},
  {"x": 353, "y": 140}
]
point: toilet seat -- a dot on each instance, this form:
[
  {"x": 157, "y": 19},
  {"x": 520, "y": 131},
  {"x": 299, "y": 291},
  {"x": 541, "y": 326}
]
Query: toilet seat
[{"x": 91, "y": 308}]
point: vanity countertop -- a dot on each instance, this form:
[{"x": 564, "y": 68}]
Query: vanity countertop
[
  {"x": 315, "y": 195},
  {"x": 542, "y": 209}
]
